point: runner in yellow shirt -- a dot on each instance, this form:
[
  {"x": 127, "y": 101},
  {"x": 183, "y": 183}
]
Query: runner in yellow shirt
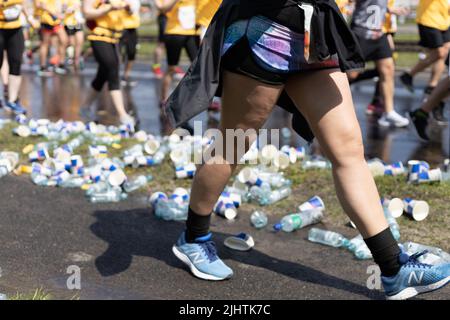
[
  {"x": 206, "y": 9},
  {"x": 50, "y": 15},
  {"x": 433, "y": 21},
  {"x": 181, "y": 32},
  {"x": 73, "y": 24},
  {"x": 129, "y": 40},
  {"x": 13, "y": 43},
  {"x": 105, "y": 21}
]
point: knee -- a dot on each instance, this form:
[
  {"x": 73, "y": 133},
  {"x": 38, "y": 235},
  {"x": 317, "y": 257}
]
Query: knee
[
  {"x": 350, "y": 149},
  {"x": 442, "y": 52},
  {"x": 387, "y": 70}
]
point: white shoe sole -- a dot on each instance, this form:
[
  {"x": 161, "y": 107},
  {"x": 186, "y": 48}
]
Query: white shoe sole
[
  {"x": 184, "y": 258},
  {"x": 414, "y": 291}
]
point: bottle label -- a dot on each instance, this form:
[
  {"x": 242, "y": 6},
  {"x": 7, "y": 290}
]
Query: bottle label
[{"x": 296, "y": 221}]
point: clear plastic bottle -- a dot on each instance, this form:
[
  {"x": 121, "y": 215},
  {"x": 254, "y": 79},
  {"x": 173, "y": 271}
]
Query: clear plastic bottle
[
  {"x": 316, "y": 163},
  {"x": 393, "y": 225},
  {"x": 137, "y": 183},
  {"x": 73, "y": 182},
  {"x": 328, "y": 238},
  {"x": 3, "y": 171},
  {"x": 98, "y": 187},
  {"x": 108, "y": 196},
  {"x": 359, "y": 248},
  {"x": 413, "y": 247},
  {"x": 296, "y": 221},
  {"x": 277, "y": 195},
  {"x": 171, "y": 210},
  {"x": 258, "y": 219}
]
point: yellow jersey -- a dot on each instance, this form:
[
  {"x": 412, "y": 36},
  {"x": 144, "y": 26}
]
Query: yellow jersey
[
  {"x": 433, "y": 14},
  {"x": 73, "y": 18},
  {"x": 48, "y": 16},
  {"x": 10, "y": 11},
  {"x": 181, "y": 19},
  {"x": 206, "y": 9},
  {"x": 132, "y": 19},
  {"x": 109, "y": 27},
  {"x": 342, "y": 5},
  {"x": 390, "y": 21}
]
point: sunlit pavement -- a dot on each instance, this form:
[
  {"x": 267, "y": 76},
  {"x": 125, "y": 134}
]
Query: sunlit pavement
[{"x": 124, "y": 252}]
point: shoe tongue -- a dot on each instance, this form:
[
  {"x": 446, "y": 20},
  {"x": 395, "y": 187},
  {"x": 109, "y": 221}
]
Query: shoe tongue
[
  {"x": 403, "y": 258},
  {"x": 203, "y": 238}
]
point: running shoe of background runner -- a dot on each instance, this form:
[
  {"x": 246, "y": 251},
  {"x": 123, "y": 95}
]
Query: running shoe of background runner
[
  {"x": 419, "y": 119},
  {"x": 179, "y": 73},
  {"x": 393, "y": 119},
  {"x": 156, "y": 68},
  {"x": 375, "y": 108},
  {"x": 15, "y": 107},
  {"x": 201, "y": 258},
  {"x": 44, "y": 72},
  {"x": 127, "y": 82},
  {"x": 415, "y": 278}
]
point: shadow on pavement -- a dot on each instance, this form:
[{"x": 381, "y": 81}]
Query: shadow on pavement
[{"x": 136, "y": 233}]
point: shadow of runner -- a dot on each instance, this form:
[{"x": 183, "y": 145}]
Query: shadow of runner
[{"x": 135, "y": 233}]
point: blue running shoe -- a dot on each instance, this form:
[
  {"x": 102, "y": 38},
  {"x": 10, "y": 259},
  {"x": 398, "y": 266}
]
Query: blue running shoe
[
  {"x": 15, "y": 107},
  {"x": 202, "y": 259},
  {"x": 415, "y": 278}
]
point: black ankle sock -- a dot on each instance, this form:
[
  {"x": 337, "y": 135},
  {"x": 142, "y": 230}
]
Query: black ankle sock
[
  {"x": 196, "y": 225},
  {"x": 366, "y": 75},
  {"x": 385, "y": 252}
]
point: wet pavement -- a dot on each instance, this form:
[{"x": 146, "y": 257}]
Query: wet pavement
[
  {"x": 123, "y": 252},
  {"x": 61, "y": 96}
]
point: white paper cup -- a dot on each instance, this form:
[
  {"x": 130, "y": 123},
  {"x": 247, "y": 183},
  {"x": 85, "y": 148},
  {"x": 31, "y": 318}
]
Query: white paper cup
[
  {"x": 179, "y": 156},
  {"x": 180, "y": 195},
  {"x": 313, "y": 203},
  {"x": 117, "y": 178},
  {"x": 281, "y": 160},
  {"x": 151, "y": 146},
  {"x": 394, "y": 205},
  {"x": 267, "y": 154},
  {"x": 76, "y": 161},
  {"x": 141, "y": 136},
  {"x": 376, "y": 167},
  {"x": 430, "y": 176},
  {"x": 249, "y": 176},
  {"x": 23, "y": 131},
  {"x": 156, "y": 196},
  {"x": 226, "y": 210},
  {"x": 416, "y": 209}
]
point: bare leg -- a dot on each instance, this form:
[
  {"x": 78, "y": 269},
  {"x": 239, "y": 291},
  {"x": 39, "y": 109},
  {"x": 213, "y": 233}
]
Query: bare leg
[
  {"x": 246, "y": 104},
  {"x": 43, "y": 52},
  {"x": 79, "y": 41},
  {"x": 436, "y": 72},
  {"x": 440, "y": 92},
  {"x": 386, "y": 70},
  {"x": 159, "y": 52},
  {"x": 62, "y": 45},
  {"x": 432, "y": 56},
  {"x": 333, "y": 120},
  {"x": 167, "y": 81},
  {"x": 117, "y": 99}
]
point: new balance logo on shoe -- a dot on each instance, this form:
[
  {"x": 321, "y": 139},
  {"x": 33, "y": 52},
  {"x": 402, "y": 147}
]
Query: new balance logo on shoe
[
  {"x": 417, "y": 280},
  {"x": 196, "y": 257}
]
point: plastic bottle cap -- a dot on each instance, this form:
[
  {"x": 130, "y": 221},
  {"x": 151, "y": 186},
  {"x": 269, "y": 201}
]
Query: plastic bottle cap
[{"x": 277, "y": 227}]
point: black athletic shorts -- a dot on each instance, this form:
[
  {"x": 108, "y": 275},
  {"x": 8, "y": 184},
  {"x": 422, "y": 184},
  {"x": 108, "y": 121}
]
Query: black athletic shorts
[
  {"x": 240, "y": 59},
  {"x": 432, "y": 38},
  {"x": 175, "y": 43},
  {"x": 128, "y": 43},
  {"x": 71, "y": 30},
  {"x": 374, "y": 49},
  {"x": 162, "y": 22}
]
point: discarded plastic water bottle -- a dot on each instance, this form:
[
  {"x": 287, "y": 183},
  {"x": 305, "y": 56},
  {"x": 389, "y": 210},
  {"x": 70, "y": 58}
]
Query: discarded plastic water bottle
[
  {"x": 258, "y": 219},
  {"x": 137, "y": 183},
  {"x": 393, "y": 225},
  {"x": 412, "y": 247},
  {"x": 316, "y": 163},
  {"x": 3, "y": 171},
  {"x": 155, "y": 197},
  {"x": 99, "y": 187},
  {"x": 3, "y": 296},
  {"x": 112, "y": 195},
  {"x": 277, "y": 195},
  {"x": 328, "y": 238},
  {"x": 296, "y": 221},
  {"x": 359, "y": 248},
  {"x": 170, "y": 210},
  {"x": 73, "y": 182}
]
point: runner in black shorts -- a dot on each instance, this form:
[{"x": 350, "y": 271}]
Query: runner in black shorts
[
  {"x": 367, "y": 24},
  {"x": 159, "y": 50},
  {"x": 129, "y": 40},
  {"x": 73, "y": 24},
  {"x": 433, "y": 23}
]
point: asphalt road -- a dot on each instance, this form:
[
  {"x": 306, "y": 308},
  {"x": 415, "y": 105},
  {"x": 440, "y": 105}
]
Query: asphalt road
[{"x": 124, "y": 252}]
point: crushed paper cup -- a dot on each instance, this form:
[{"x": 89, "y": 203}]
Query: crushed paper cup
[
  {"x": 267, "y": 154},
  {"x": 394, "y": 169},
  {"x": 394, "y": 205},
  {"x": 187, "y": 171},
  {"x": 314, "y": 203},
  {"x": 117, "y": 178},
  {"x": 240, "y": 242},
  {"x": 416, "y": 209}
]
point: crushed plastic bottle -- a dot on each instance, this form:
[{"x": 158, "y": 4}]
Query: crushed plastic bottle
[
  {"x": 171, "y": 210},
  {"x": 328, "y": 238},
  {"x": 413, "y": 247},
  {"x": 111, "y": 195},
  {"x": 139, "y": 182},
  {"x": 258, "y": 219},
  {"x": 316, "y": 162},
  {"x": 393, "y": 225},
  {"x": 300, "y": 220},
  {"x": 359, "y": 248}
]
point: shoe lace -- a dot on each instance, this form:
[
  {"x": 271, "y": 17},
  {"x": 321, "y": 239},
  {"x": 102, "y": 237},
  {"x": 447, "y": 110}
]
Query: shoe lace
[
  {"x": 209, "y": 247},
  {"x": 414, "y": 262}
]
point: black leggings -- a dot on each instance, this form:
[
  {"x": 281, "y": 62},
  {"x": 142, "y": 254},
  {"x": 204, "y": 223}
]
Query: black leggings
[
  {"x": 128, "y": 43},
  {"x": 107, "y": 56},
  {"x": 13, "y": 42},
  {"x": 175, "y": 43}
]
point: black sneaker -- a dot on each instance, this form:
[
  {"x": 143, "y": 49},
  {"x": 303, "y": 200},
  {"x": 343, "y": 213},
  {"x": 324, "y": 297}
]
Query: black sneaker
[
  {"x": 407, "y": 81},
  {"x": 438, "y": 113},
  {"x": 420, "y": 120}
]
